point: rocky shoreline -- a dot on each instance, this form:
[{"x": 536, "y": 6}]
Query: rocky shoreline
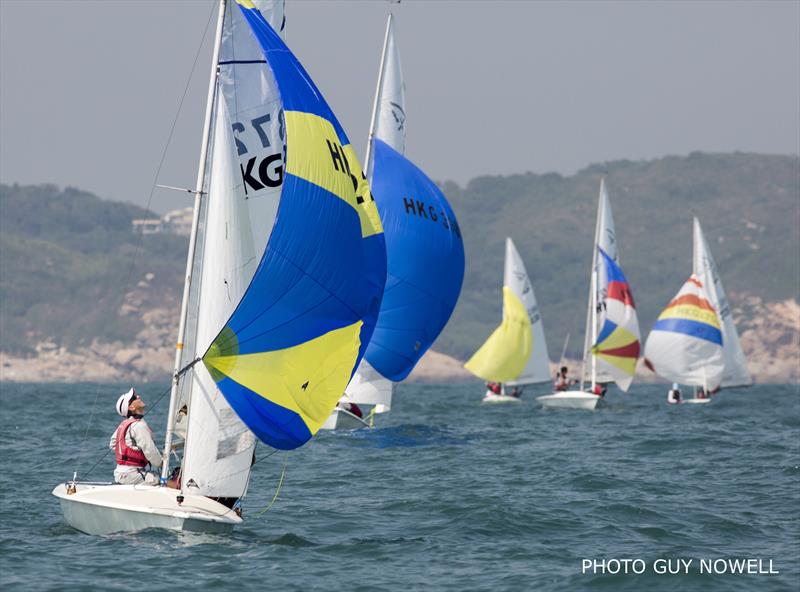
[{"x": 770, "y": 336}]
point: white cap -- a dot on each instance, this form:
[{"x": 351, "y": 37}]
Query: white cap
[{"x": 124, "y": 402}]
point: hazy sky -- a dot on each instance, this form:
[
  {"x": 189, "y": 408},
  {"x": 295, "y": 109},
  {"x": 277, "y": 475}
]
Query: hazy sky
[{"x": 89, "y": 89}]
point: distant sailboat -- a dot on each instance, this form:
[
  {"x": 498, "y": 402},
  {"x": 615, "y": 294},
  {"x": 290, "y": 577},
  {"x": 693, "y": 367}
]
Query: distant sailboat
[
  {"x": 611, "y": 342},
  {"x": 694, "y": 340},
  {"x": 291, "y": 269},
  {"x": 685, "y": 345},
  {"x": 515, "y": 355},
  {"x": 424, "y": 251}
]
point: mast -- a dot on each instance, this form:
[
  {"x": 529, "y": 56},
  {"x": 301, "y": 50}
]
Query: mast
[
  {"x": 198, "y": 194},
  {"x": 594, "y": 315},
  {"x": 591, "y": 310},
  {"x": 378, "y": 93}
]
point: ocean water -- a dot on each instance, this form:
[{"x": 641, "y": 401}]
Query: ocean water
[{"x": 444, "y": 494}]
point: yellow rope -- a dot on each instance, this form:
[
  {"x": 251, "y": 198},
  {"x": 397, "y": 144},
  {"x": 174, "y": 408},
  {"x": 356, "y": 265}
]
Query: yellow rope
[{"x": 278, "y": 490}]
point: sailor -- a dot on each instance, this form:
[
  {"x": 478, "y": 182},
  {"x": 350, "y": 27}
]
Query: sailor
[
  {"x": 674, "y": 394},
  {"x": 132, "y": 443},
  {"x": 600, "y": 390},
  {"x": 562, "y": 382},
  {"x": 516, "y": 392},
  {"x": 494, "y": 387},
  {"x": 351, "y": 407}
]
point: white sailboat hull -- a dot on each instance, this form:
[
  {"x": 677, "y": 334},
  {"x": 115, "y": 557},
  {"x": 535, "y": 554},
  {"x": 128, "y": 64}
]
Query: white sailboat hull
[
  {"x": 491, "y": 398},
  {"x": 341, "y": 419},
  {"x": 108, "y": 509},
  {"x": 696, "y": 401},
  {"x": 571, "y": 400}
]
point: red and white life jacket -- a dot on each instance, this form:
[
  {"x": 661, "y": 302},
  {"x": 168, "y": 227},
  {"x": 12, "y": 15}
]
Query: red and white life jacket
[{"x": 124, "y": 454}]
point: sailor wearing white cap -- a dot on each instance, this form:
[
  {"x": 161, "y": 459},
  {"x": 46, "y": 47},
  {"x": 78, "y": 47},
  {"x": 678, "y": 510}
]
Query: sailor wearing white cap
[{"x": 132, "y": 443}]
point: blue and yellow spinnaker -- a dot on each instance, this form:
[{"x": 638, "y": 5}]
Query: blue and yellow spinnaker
[
  {"x": 288, "y": 351},
  {"x": 425, "y": 260}
]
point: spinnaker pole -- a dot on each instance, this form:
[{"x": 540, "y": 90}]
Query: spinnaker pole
[{"x": 198, "y": 195}]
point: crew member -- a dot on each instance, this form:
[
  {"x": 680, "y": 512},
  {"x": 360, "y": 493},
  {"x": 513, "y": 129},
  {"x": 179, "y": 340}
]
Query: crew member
[
  {"x": 351, "y": 407},
  {"x": 562, "y": 382},
  {"x": 133, "y": 445},
  {"x": 674, "y": 394}
]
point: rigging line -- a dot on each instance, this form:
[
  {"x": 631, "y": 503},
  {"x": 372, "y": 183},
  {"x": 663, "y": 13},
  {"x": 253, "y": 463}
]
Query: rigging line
[
  {"x": 105, "y": 454},
  {"x": 138, "y": 243},
  {"x": 278, "y": 489}
]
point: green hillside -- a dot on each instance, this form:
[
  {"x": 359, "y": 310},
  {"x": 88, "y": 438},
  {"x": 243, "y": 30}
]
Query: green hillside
[
  {"x": 748, "y": 204},
  {"x": 66, "y": 263},
  {"x": 65, "y": 256}
]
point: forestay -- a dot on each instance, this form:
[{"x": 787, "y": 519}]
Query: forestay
[
  {"x": 515, "y": 276},
  {"x": 240, "y": 209},
  {"x": 424, "y": 248},
  {"x": 289, "y": 348},
  {"x": 685, "y": 345},
  {"x": 703, "y": 266}
]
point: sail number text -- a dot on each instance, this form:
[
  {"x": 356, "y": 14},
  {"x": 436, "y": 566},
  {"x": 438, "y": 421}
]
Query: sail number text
[{"x": 261, "y": 170}]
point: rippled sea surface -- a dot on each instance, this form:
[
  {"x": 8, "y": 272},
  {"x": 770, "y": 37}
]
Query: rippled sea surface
[{"x": 443, "y": 494}]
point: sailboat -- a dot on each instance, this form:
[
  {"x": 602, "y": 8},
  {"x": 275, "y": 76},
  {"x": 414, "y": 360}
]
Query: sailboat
[
  {"x": 685, "y": 344},
  {"x": 424, "y": 251},
  {"x": 611, "y": 342},
  {"x": 515, "y": 355},
  {"x": 694, "y": 340},
  {"x": 285, "y": 272}
]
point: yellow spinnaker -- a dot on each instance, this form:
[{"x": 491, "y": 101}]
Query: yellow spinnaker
[
  {"x": 306, "y": 378},
  {"x": 504, "y": 355}
]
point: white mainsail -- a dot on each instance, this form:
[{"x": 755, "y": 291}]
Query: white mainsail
[
  {"x": 367, "y": 386},
  {"x": 704, "y": 267},
  {"x": 390, "y": 117},
  {"x": 515, "y": 277},
  {"x": 246, "y": 169}
]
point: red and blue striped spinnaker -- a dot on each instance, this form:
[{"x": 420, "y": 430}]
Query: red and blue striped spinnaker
[
  {"x": 685, "y": 345},
  {"x": 618, "y": 343}
]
